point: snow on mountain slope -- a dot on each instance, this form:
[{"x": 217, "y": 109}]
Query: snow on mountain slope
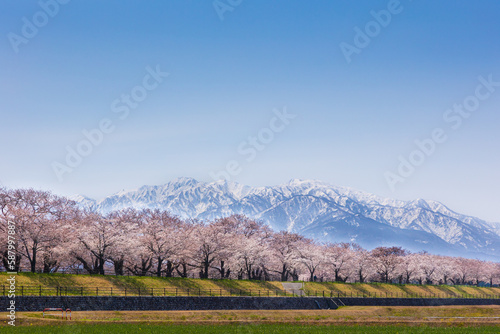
[{"x": 325, "y": 212}]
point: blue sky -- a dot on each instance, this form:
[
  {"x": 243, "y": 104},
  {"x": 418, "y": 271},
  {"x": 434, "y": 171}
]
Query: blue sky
[{"x": 226, "y": 76}]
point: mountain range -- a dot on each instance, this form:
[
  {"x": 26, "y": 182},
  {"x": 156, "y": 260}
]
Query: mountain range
[{"x": 320, "y": 211}]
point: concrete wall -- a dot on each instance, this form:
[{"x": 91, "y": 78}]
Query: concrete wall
[
  {"x": 414, "y": 301},
  {"x": 165, "y": 303},
  {"x": 33, "y": 303}
]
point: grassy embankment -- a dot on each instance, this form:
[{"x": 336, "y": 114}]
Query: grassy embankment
[{"x": 51, "y": 284}]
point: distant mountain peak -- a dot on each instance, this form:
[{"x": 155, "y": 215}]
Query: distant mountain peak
[
  {"x": 184, "y": 179},
  {"x": 319, "y": 210}
]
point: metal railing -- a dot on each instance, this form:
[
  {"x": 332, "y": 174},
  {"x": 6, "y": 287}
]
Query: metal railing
[{"x": 30, "y": 290}]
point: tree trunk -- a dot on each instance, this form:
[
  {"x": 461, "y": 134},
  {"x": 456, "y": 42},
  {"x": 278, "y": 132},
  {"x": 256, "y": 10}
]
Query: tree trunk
[
  {"x": 91, "y": 269},
  {"x": 101, "y": 265},
  {"x": 311, "y": 276},
  {"x": 182, "y": 273},
  {"x": 169, "y": 271},
  {"x": 338, "y": 277},
  {"x": 158, "y": 266},
  {"x": 33, "y": 261},
  {"x": 118, "y": 265},
  {"x": 17, "y": 262},
  {"x": 49, "y": 264},
  {"x": 360, "y": 275},
  {"x": 222, "y": 270},
  {"x": 249, "y": 269}
]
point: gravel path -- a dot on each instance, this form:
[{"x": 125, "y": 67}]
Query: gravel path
[{"x": 295, "y": 288}]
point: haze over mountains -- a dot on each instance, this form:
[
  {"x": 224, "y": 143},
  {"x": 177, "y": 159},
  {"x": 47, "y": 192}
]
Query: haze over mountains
[{"x": 321, "y": 211}]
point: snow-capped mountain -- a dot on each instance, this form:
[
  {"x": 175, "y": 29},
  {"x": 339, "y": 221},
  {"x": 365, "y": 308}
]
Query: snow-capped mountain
[{"x": 321, "y": 211}]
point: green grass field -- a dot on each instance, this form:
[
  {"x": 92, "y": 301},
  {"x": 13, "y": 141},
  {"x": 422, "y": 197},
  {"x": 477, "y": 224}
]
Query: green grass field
[
  {"x": 455, "y": 316},
  {"x": 51, "y": 284},
  {"x": 352, "y": 319},
  {"x": 240, "y": 329}
]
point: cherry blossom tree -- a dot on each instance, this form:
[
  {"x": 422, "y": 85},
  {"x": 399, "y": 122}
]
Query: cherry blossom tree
[
  {"x": 40, "y": 219},
  {"x": 250, "y": 247},
  {"x": 478, "y": 271},
  {"x": 362, "y": 263},
  {"x": 408, "y": 268},
  {"x": 444, "y": 269},
  {"x": 164, "y": 236},
  {"x": 463, "y": 271},
  {"x": 338, "y": 257},
  {"x": 386, "y": 261},
  {"x": 312, "y": 256},
  {"x": 428, "y": 266},
  {"x": 6, "y": 216},
  {"x": 492, "y": 272},
  {"x": 283, "y": 246},
  {"x": 96, "y": 238},
  {"x": 209, "y": 243},
  {"x": 228, "y": 231},
  {"x": 53, "y": 234},
  {"x": 127, "y": 252}
]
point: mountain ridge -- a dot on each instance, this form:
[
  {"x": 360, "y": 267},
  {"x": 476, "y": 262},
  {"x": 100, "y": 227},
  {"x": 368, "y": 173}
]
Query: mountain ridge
[{"x": 322, "y": 211}]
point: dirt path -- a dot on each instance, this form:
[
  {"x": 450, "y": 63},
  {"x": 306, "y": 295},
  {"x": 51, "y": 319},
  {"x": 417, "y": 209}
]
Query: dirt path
[{"x": 295, "y": 288}]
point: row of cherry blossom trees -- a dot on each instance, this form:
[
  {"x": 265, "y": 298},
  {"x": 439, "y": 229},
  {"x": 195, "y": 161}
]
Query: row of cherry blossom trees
[{"x": 54, "y": 234}]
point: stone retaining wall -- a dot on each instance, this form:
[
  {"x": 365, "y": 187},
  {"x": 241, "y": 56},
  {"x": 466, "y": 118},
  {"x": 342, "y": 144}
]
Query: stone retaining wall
[
  {"x": 164, "y": 303},
  {"x": 415, "y": 301},
  {"x": 33, "y": 303}
]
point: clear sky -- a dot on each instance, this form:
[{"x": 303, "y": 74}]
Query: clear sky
[{"x": 361, "y": 90}]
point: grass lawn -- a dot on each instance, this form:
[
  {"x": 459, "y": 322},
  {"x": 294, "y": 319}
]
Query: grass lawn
[
  {"x": 399, "y": 290},
  {"x": 355, "y": 316},
  {"x": 240, "y": 329},
  {"x": 30, "y": 284}
]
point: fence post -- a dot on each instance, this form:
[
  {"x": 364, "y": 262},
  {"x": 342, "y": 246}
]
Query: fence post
[
  {"x": 139, "y": 291},
  {"x": 111, "y": 291},
  {"x": 221, "y": 292},
  {"x": 40, "y": 292},
  {"x": 152, "y": 292},
  {"x": 97, "y": 291}
]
